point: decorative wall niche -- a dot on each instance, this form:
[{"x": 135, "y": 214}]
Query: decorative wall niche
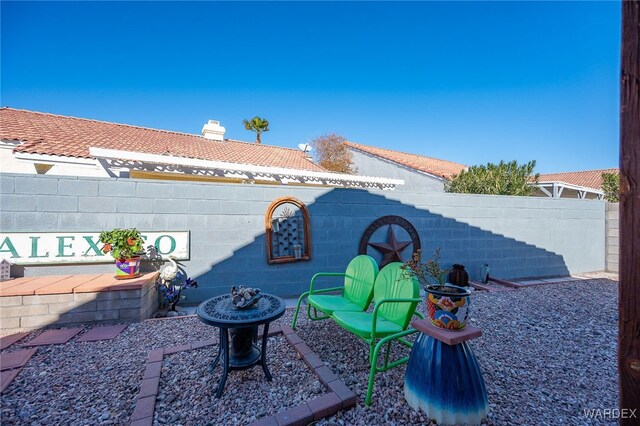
[{"x": 288, "y": 231}]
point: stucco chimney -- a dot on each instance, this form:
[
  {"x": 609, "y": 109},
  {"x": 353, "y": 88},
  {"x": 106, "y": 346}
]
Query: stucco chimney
[{"x": 213, "y": 130}]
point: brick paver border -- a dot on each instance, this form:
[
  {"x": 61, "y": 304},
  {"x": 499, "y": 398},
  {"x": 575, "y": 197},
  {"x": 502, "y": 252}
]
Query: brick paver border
[
  {"x": 340, "y": 397},
  {"x": 6, "y": 341}
]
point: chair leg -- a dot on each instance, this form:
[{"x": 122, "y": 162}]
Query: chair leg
[
  {"x": 295, "y": 315},
  {"x": 373, "y": 356},
  {"x": 386, "y": 355}
]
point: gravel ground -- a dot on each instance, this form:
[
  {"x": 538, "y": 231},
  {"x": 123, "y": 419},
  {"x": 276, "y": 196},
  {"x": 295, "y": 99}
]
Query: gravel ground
[
  {"x": 187, "y": 391},
  {"x": 548, "y": 353}
]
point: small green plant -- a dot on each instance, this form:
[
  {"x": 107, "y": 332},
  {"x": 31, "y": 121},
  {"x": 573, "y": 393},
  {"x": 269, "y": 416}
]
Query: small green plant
[
  {"x": 122, "y": 243},
  {"x": 611, "y": 186},
  {"x": 427, "y": 271}
]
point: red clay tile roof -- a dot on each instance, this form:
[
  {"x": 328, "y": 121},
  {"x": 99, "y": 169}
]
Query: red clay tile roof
[
  {"x": 60, "y": 135},
  {"x": 587, "y": 178},
  {"x": 434, "y": 166}
]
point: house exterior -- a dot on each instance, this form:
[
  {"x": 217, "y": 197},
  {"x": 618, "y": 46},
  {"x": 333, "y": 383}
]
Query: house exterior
[
  {"x": 420, "y": 173},
  {"x": 584, "y": 184},
  {"x": 41, "y": 143}
]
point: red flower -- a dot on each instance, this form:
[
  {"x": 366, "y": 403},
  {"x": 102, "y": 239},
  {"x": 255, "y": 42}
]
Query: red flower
[
  {"x": 131, "y": 241},
  {"x": 106, "y": 248}
]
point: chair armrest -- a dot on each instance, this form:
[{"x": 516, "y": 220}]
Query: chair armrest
[
  {"x": 324, "y": 274},
  {"x": 382, "y": 302},
  {"x": 327, "y": 290}
]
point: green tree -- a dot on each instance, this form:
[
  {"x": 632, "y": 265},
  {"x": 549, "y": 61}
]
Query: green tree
[
  {"x": 331, "y": 152},
  {"x": 498, "y": 179},
  {"x": 257, "y": 125},
  {"x": 611, "y": 186}
]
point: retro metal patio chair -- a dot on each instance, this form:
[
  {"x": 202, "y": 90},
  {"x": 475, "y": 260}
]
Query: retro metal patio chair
[
  {"x": 396, "y": 297},
  {"x": 357, "y": 291}
]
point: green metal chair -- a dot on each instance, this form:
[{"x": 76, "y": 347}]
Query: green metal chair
[
  {"x": 357, "y": 291},
  {"x": 396, "y": 298}
]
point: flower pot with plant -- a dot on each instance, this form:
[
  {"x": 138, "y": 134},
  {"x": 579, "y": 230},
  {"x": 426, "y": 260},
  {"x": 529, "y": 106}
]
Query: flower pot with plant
[
  {"x": 125, "y": 245},
  {"x": 447, "y": 304}
]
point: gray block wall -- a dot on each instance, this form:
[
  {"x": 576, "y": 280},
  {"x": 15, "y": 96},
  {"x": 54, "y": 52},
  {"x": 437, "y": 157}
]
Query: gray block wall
[
  {"x": 517, "y": 236},
  {"x": 369, "y": 165},
  {"x": 613, "y": 236}
]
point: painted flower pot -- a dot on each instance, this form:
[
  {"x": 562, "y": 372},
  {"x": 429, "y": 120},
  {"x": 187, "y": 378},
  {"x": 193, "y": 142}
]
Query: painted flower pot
[
  {"x": 448, "y": 308},
  {"x": 127, "y": 268}
]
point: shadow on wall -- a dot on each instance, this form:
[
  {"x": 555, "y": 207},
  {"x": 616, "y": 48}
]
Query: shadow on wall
[{"x": 338, "y": 220}]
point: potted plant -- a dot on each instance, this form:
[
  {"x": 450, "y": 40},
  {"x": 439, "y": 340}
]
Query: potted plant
[
  {"x": 447, "y": 304},
  {"x": 125, "y": 245}
]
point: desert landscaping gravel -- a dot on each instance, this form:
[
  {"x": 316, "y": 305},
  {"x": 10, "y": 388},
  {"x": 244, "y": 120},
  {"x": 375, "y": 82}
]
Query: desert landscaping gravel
[
  {"x": 187, "y": 389},
  {"x": 548, "y": 353}
]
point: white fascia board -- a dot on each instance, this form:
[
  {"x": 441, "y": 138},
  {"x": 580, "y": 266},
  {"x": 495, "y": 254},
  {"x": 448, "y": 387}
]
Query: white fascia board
[
  {"x": 55, "y": 159},
  {"x": 209, "y": 164},
  {"x": 570, "y": 186}
]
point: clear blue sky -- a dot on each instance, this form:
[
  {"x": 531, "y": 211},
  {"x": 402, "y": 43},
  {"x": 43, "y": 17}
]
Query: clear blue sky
[{"x": 466, "y": 82}]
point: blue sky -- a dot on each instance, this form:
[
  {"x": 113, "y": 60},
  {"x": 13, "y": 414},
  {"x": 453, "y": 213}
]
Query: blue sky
[{"x": 466, "y": 82}]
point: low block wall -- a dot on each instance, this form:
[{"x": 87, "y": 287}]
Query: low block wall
[
  {"x": 613, "y": 236},
  {"x": 518, "y": 237},
  {"x": 27, "y": 312}
]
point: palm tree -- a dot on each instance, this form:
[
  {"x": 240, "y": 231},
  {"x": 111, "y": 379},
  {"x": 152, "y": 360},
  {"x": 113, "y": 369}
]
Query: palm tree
[{"x": 258, "y": 125}]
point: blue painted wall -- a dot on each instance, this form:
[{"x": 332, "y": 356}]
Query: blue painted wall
[{"x": 517, "y": 236}]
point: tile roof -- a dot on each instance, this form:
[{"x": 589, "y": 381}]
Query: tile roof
[
  {"x": 434, "y": 166},
  {"x": 587, "y": 178},
  {"x": 43, "y": 133}
]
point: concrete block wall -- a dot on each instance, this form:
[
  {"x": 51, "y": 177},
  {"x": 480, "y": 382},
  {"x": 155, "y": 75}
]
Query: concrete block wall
[
  {"x": 613, "y": 236},
  {"x": 19, "y": 313},
  {"x": 517, "y": 236}
]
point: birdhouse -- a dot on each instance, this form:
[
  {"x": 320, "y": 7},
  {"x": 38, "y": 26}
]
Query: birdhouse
[{"x": 5, "y": 270}]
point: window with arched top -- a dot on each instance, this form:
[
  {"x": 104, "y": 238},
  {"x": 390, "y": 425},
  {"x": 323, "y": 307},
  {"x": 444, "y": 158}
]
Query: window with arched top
[{"x": 288, "y": 231}]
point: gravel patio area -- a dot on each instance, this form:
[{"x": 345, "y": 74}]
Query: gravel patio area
[{"x": 548, "y": 353}]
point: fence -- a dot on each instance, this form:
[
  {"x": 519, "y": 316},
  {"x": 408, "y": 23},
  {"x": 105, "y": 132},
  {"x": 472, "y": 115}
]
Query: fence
[{"x": 517, "y": 236}]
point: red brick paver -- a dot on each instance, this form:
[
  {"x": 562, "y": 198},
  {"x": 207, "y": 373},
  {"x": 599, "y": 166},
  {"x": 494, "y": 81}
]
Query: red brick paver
[
  {"x": 16, "y": 359},
  {"x": 294, "y": 339},
  {"x": 325, "y": 405},
  {"x": 6, "y": 377},
  {"x": 325, "y": 375},
  {"x": 144, "y": 408},
  {"x": 66, "y": 284},
  {"x": 299, "y": 415},
  {"x": 147, "y": 421},
  {"x": 102, "y": 333},
  {"x": 343, "y": 392},
  {"x": 153, "y": 370},
  {"x": 149, "y": 387},
  {"x": 6, "y": 341},
  {"x": 54, "y": 337},
  {"x": 339, "y": 396},
  {"x": 27, "y": 286}
]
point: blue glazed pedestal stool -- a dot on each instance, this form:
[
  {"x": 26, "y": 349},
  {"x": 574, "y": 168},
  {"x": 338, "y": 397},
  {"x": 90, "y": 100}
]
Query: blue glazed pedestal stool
[{"x": 443, "y": 377}]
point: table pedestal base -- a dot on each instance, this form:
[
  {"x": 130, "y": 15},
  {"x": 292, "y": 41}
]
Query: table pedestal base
[
  {"x": 242, "y": 350},
  {"x": 238, "y": 351},
  {"x": 445, "y": 382}
]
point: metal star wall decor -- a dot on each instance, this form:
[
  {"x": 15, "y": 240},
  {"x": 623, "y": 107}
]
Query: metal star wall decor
[{"x": 391, "y": 249}]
